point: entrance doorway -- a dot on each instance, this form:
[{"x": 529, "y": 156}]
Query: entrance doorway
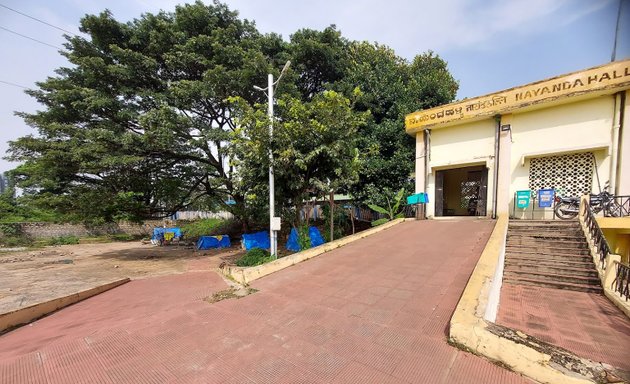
[{"x": 461, "y": 191}]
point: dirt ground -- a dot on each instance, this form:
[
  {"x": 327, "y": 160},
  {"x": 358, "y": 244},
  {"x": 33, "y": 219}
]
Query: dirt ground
[{"x": 33, "y": 276}]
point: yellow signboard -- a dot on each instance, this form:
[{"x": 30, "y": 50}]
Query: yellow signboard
[{"x": 611, "y": 76}]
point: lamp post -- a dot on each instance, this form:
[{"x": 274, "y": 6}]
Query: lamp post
[{"x": 274, "y": 223}]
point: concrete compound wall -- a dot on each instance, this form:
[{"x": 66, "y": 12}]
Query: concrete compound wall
[{"x": 46, "y": 230}]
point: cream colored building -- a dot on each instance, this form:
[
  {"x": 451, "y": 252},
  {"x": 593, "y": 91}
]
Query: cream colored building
[{"x": 570, "y": 133}]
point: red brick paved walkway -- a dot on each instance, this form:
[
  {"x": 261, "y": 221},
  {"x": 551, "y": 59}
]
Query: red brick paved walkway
[
  {"x": 587, "y": 324},
  {"x": 375, "y": 311}
]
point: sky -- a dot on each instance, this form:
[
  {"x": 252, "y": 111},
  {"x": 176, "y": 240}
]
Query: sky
[{"x": 490, "y": 45}]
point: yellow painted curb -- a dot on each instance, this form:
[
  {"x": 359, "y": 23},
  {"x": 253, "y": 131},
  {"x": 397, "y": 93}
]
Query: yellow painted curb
[
  {"x": 469, "y": 330},
  {"x": 26, "y": 315},
  {"x": 246, "y": 275}
]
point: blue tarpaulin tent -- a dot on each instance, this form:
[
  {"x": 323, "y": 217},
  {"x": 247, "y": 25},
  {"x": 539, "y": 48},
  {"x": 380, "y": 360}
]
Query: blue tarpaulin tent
[
  {"x": 292, "y": 243},
  {"x": 163, "y": 231},
  {"x": 313, "y": 234},
  {"x": 207, "y": 242},
  {"x": 256, "y": 240},
  {"x": 316, "y": 237}
]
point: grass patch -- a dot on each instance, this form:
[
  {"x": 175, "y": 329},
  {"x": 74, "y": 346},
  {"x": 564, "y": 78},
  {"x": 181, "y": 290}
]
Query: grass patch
[
  {"x": 61, "y": 240},
  {"x": 254, "y": 257},
  {"x": 16, "y": 241},
  {"x": 231, "y": 293}
]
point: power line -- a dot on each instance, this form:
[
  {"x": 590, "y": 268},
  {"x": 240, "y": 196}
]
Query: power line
[
  {"x": 13, "y": 84},
  {"x": 30, "y": 38},
  {"x": 38, "y": 20}
]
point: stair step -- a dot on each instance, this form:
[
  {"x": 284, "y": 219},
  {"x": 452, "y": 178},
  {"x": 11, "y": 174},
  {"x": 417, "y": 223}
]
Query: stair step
[
  {"x": 564, "y": 277},
  {"x": 556, "y": 236},
  {"x": 544, "y": 223},
  {"x": 551, "y": 284},
  {"x": 580, "y": 252},
  {"x": 570, "y": 263},
  {"x": 564, "y": 241},
  {"x": 552, "y": 270},
  {"x": 545, "y": 248}
]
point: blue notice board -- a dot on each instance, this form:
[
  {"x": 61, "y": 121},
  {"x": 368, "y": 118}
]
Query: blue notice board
[
  {"x": 418, "y": 198},
  {"x": 545, "y": 198}
]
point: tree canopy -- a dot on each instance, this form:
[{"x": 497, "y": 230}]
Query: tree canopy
[
  {"x": 313, "y": 145},
  {"x": 140, "y": 123}
]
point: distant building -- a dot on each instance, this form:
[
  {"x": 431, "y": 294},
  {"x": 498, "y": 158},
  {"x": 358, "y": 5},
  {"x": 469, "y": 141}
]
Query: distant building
[{"x": 4, "y": 183}]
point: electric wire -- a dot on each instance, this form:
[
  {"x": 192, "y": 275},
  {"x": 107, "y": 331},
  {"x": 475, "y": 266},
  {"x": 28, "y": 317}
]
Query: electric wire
[
  {"x": 30, "y": 38},
  {"x": 38, "y": 20},
  {"x": 13, "y": 84}
]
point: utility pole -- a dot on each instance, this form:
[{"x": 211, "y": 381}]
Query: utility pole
[{"x": 274, "y": 222}]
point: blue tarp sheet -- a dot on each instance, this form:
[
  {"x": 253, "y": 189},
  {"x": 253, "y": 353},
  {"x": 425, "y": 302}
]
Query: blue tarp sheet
[
  {"x": 292, "y": 243},
  {"x": 158, "y": 231},
  {"x": 313, "y": 234},
  {"x": 256, "y": 240},
  {"x": 316, "y": 237},
  {"x": 207, "y": 242}
]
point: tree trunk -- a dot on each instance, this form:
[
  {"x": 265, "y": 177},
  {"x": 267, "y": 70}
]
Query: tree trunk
[
  {"x": 352, "y": 218},
  {"x": 332, "y": 210}
]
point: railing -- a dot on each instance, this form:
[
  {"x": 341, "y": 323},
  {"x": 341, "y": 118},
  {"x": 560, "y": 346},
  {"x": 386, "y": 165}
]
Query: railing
[
  {"x": 621, "y": 284},
  {"x": 601, "y": 245},
  {"x": 620, "y": 207}
]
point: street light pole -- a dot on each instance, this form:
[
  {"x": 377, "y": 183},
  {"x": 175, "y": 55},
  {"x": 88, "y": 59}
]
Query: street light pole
[
  {"x": 273, "y": 226},
  {"x": 273, "y": 234}
]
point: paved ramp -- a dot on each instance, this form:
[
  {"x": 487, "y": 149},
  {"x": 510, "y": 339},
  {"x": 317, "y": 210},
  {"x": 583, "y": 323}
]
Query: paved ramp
[{"x": 375, "y": 311}]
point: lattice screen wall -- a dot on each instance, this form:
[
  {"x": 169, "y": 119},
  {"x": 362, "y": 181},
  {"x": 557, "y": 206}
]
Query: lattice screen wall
[{"x": 571, "y": 175}]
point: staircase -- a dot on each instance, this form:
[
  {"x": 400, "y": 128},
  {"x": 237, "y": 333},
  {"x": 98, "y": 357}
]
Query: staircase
[{"x": 550, "y": 254}]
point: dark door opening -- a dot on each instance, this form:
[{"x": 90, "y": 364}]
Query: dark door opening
[{"x": 461, "y": 191}]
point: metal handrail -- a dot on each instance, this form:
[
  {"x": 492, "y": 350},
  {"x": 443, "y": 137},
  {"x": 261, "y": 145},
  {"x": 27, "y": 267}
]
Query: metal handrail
[
  {"x": 621, "y": 208},
  {"x": 621, "y": 284},
  {"x": 595, "y": 232}
]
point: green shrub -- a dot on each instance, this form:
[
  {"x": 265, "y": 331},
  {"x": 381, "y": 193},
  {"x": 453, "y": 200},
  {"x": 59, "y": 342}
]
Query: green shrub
[
  {"x": 121, "y": 237},
  {"x": 303, "y": 239},
  {"x": 254, "y": 257},
  {"x": 16, "y": 241},
  {"x": 207, "y": 227},
  {"x": 11, "y": 229},
  {"x": 63, "y": 240}
]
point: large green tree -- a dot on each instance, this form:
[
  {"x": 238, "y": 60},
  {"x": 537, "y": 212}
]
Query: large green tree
[
  {"x": 137, "y": 125},
  {"x": 313, "y": 145},
  {"x": 391, "y": 88}
]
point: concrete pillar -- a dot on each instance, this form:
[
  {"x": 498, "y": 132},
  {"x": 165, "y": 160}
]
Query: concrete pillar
[
  {"x": 623, "y": 162},
  {"x": 420, "y": 162},
  {"x": 504, "y": 175}
]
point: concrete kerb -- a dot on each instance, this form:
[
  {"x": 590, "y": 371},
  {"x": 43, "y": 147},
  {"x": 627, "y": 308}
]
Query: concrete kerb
[
  {"x": 25, "y": 315},
  {"x": 519, "y": 352},
  {"x": 245, "y": 275}
]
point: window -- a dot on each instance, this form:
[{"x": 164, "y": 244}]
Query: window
[{"x": 570, "y": 175}]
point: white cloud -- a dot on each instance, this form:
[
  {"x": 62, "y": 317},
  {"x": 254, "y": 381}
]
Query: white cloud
[{"x": 411, "y": 26}]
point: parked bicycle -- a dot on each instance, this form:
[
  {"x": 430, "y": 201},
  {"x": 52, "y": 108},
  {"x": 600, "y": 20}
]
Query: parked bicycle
[{"x": 568, "y": 207}]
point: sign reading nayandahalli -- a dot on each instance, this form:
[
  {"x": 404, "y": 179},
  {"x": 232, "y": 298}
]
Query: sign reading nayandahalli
[{"x": 613, "y": 75}]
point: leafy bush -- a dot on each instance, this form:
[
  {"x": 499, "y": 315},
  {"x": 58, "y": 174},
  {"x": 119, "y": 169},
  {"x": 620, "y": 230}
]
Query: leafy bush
[
  {"x": 304, "y": 239},
  {"x": 341, "y": 221},
  {"x": 254, "y": 257},
  {"x": 63, "y": 240},
  {"x": 392, "y": 211},
  {"x": 208, "y": 227},
  {"x": 16, "y": 241}
]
